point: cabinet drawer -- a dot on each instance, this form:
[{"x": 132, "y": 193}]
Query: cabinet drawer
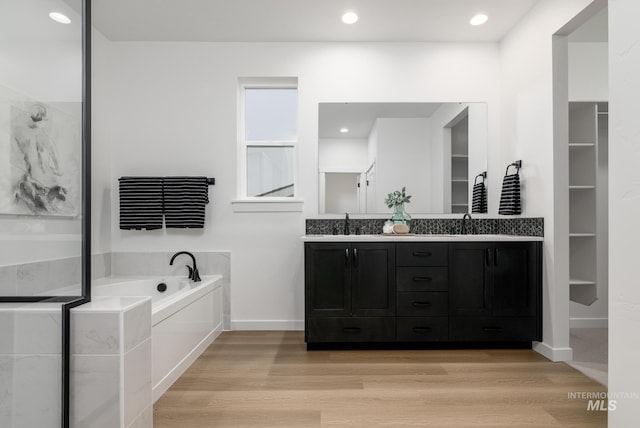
[
  {"x": 489, "y": 329},
  {"x": 423, "y": 329},
  {"x": 426, "y": 304},
  {"x": 422, "y": 278},
  {"x": 380, "y": 329},
  {"x": 422, "y": 254}
]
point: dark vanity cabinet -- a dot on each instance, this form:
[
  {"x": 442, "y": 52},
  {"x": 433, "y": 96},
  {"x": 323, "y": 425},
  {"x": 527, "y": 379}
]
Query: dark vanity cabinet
[
  {"x": 436, "y": 293},
  {"x": 350, "y": 292},
  {"x": 423, "y": 292},
  {"x": 495, "y": 291}
]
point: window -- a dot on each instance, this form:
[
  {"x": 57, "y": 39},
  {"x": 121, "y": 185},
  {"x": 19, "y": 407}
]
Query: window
[{"x": 267, "y": 139}]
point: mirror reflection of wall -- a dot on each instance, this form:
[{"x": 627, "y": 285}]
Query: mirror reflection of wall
[
  {"x": 367, "y": 150},
  {"x": 343, "y": 192}
]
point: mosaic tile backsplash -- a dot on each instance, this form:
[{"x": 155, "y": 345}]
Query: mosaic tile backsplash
[{"x": 533, "y": 226}]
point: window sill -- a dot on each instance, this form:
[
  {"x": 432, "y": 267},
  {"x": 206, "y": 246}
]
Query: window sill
[{"x": 266, "y": 206}]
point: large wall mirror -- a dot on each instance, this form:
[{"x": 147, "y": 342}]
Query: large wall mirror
[{"x": 367, "y": 150}]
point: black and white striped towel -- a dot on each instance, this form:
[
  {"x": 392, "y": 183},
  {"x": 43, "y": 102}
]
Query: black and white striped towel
[
  {"x": 185, "y": 199},
  {"x": 479, "y": 202},
  {"x": 140, "y": 203},
  {"x": 510, "y": 197}
]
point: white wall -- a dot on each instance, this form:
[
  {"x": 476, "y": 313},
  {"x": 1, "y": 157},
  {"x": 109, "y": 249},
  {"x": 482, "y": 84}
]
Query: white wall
[
  {"x": 403, "y": 151},
  {"x": 624, "y": 209},
  {"x": 336, "y": 158},
  {"x": 170, "y": 108},
  {"x": 341, "y": 193},
  {"x": 372, "y": 170},
  {"x": 527, "y": 133},
  {"x": 588, "y": 72},
  {"x": 342, "y": 155}
]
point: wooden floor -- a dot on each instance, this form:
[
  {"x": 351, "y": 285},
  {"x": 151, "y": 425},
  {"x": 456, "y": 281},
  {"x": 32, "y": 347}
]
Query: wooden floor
[{"x": 268, "y": 379}]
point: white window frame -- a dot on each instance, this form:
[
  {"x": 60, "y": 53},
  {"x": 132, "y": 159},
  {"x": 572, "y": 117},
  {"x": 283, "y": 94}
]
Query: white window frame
[{"x": 245, "y": 203}]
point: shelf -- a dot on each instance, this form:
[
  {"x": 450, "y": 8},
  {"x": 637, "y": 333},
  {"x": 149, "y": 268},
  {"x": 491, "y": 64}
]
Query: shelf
[
  {"x": 582, "y": 187},
  {"x": 582, "y": 145},
  {"x": 459, "y": 156},
  {"x": 586, "y": 142},
  {"x": 459, "y": 180},
  {"x": 459, "y": 205},
  {"x": 576, "y": 281}
]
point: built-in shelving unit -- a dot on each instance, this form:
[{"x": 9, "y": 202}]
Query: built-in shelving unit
[
  {"x": 460, "y": 166},
  {"x": 587, "y": 196}
]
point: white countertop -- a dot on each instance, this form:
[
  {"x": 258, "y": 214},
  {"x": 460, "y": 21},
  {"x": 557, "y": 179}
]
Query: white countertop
[{"x": 419, "y": 238}]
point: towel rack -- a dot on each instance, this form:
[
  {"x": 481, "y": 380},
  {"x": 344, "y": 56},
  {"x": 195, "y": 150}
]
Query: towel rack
[
  {"x": 517, "y": 164},
  {"x": 482, "y": 174}
]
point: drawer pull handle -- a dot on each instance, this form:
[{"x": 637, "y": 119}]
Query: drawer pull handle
[
  {"x": 421, "y": 304},
  {"x": 351, "y": 329},
  {"x": 422, "y": 330},
  {"x": 422, "y": 253},
  {"x": 492, "y": 329},
  {"x": 422, "y": 279}
]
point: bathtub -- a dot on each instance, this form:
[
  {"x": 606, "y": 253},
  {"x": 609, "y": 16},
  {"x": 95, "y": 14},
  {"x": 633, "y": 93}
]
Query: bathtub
[{"x": 185, "y": 320}]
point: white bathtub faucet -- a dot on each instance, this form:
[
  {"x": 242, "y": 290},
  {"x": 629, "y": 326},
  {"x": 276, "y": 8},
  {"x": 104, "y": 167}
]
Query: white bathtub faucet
[{"x": 194, "y": 275}]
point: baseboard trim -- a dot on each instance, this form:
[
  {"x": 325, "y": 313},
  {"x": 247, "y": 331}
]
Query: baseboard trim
[
  {"x": 588, "y": 322},
  {"x": 554, "y": 354},
  {"x": 266, "y": 325}
]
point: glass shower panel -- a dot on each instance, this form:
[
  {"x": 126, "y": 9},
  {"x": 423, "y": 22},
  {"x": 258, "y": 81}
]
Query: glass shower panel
[
  {"x": 40, "y": 202},
  {"x": 40, "y": 149}
]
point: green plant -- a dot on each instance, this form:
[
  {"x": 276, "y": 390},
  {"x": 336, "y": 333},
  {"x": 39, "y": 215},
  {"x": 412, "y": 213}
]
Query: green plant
[{"x": 397, "y": 198}]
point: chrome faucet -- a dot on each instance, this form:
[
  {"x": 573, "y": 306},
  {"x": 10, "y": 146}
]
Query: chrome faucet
[
  {"x": 346, "y": 224},
  {"x": 464, "y": 224},
  {"x": 193, "y": 272}
]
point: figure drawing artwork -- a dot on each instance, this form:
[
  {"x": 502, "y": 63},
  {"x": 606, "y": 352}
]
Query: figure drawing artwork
[{"x": 44, "y": 157}]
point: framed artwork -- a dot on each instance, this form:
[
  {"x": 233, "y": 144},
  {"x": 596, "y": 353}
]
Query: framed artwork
[{"x": 40, "y": 156}]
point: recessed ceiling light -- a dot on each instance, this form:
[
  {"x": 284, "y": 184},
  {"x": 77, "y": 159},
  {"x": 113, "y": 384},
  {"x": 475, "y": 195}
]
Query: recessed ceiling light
[
  {"x": 350, "y": 17},
  {"x": 59, "y": 17},
  {"x": 479, "y": 19},
  {"x": 344, "y": 130}
]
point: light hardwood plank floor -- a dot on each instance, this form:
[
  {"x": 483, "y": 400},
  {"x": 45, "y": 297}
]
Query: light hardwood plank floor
[{"x": 268, "y": 379}]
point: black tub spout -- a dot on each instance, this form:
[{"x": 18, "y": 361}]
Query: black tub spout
[{"x": 194, "y": 275}]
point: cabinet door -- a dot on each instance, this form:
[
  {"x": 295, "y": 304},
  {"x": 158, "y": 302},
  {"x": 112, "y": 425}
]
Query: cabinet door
[
  {"x": 515, "y": 276},
  {"x": 373, "y": 279},
  {"x": 327, "y": 279},
  {"x": 469, "y": 279}
]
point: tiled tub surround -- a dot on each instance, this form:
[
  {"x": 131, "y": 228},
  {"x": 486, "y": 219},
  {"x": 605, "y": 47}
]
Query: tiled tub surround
[
  {"x": 185, "y": 319},
  {"x": 128, "y": 350},
  {"x": 438, "y": 226},
  {"x": 63, "y": 275},
  {"x": 30, "y": 361},
  {"x": 111, "y": 370},
  {"x": 50, "y": 277},
  {"x": 157, "y": 264}
]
